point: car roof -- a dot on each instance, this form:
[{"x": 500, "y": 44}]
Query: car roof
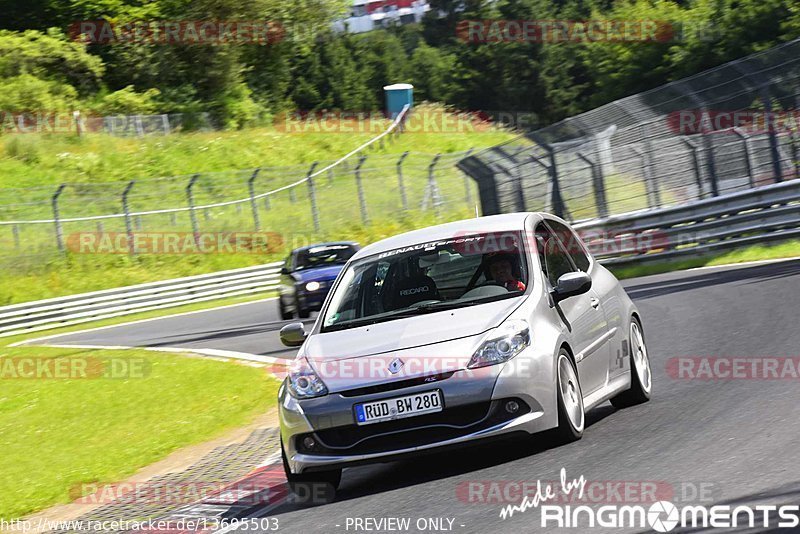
[
  {"x": 451, "y": 230},
  {"x": 327, "y": 244}
]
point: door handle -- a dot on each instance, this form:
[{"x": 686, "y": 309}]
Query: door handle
[{"x": 594, "y": 302}]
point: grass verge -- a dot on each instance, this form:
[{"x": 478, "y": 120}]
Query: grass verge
[
  {"x": 787, "y": 249},
  {"x": 58, "y": 433}
]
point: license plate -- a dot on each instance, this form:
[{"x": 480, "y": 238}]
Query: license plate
[{"x": 399, "y": 407}]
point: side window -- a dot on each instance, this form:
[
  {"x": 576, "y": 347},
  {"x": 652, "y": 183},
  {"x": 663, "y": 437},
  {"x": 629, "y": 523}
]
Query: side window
[
  {"x": 555, "y": 262},
  {"x": 572, "y": 244}
]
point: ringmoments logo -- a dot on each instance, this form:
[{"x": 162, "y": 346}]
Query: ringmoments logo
[{"x": 660, "y": 516}]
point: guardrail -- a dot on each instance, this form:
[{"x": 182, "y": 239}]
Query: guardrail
[
  {"x": 75, "y": 309},
  {"x": 765, "y": 214},
  {"x": 760, "y": 215}
]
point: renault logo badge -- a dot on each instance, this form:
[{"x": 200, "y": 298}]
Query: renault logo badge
[{"x": 395, "y": 366}]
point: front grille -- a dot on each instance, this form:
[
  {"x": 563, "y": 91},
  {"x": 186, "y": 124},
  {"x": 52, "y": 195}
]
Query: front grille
[
  {"x": 411, "y": 431},
  {"x": 400, "y": 384}
]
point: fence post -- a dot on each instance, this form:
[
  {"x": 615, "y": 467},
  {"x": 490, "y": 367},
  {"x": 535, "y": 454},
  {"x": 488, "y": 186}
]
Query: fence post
[
  {"x": 312, "y": 196},
  {"x": 653, "y": 194},
  {"x": 795, "y": 136},
  {"x": 467, "y": 188},
  {"x": 292, "y": 195},
  {"x": 696, "y": 164},
  {"x": 748, "y": 155},
  {"x": 139, "y": 127},
  {"x": 127, "y": 212},
  {"x": 516, "y": 179},
  {"x": 433, "y": 188},
  {"x": 598, "y": 184},
  {"x": 403, "y": 197},
  {"x": 15, "y": 231},
  {"x": 763, "y": 92},
  {"x": 362, "y": 201},
  {"x": 251, "y": 188},
  {"x": 559, "y": 208},
  {"x": 192, "y": 214},
  {"x": 57, "y": 217},
  {"x": 712, "y": 165},
  {"x": 773, "y": 137}
]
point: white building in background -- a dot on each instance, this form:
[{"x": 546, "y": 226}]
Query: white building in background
[{"x": 366, "y": 15}]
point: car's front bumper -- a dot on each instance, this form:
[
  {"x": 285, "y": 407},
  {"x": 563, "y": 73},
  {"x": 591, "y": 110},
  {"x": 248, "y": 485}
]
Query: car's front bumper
[
  {"x": 312, "y": 300},
  {"x": 474, "y": 409}
]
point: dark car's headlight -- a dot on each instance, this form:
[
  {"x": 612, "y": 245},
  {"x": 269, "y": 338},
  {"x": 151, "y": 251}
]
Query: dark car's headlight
[
  {"x": 313, "y": 286},
  {"x": 503, "y": 344},
  {"x": 304, "y": 383}
]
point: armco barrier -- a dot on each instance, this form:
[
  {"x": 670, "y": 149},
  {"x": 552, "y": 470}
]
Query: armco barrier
[
  {"x": 759, "y": 215},
  {"x": 765, "y": 214},
  {"x": 76, "y": 309}
]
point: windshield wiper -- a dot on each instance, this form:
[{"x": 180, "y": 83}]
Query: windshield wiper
[
  {"x": 364, "y": 321},
  {"x": 453, "y": 304}
]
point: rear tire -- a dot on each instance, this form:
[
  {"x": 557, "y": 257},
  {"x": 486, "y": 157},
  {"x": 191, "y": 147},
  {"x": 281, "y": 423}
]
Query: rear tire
[
  {"x": 317, "y": 484},
  {"x": 571, "y": 414},
  {"x": 641, "y": 375},
  {"x": 285, "y": 315}
]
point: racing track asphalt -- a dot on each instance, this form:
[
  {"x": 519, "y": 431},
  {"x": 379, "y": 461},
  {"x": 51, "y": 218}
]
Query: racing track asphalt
[{"x": 735, "y": 439}]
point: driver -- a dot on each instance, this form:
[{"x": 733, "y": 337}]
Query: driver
[{"x": 501, "y": 269}]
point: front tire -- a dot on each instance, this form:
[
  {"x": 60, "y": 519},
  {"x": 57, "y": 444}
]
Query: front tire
[
  {"x": 571, "y": 414},
  {"x": 285, "y": 314},
  {"x": 641, "y": 375},
  {"x": 322, "y": 484},
  {"x": 302, "y": 313}
]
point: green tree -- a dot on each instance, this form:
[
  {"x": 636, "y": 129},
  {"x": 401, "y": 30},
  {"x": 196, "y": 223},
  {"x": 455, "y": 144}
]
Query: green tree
[
  {"x": 431, "y": 72},
  {"x": 49, "y": 56}
]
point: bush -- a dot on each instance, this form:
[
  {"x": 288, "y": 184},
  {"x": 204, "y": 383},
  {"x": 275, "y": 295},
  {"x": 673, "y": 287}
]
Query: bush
[{"x": 128, "y": 102}]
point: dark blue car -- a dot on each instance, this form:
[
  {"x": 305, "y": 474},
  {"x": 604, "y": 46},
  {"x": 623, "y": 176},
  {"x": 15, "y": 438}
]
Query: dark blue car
[{"x": 308, "y": 274}]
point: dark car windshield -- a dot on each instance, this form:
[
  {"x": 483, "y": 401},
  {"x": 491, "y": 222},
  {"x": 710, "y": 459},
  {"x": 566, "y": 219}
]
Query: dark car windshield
[
  {"x": 428, "y": 277},
  {"x": 324, "y": 255}
]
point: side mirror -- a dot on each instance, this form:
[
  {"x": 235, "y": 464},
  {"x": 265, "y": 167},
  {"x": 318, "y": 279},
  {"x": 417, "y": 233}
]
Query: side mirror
[
  {"x": 571, "y": 284},
  {"x": 293, "y": 334},
  {"x": 284, "y": 270}
]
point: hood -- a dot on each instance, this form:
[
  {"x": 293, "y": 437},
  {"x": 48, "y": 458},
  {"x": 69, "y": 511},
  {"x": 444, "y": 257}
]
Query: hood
[
  {"x": 428, "y": 344},
  {"x": 328, "y": 272}
]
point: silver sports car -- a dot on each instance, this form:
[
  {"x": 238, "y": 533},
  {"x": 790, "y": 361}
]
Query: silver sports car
[{"x": 492, "y": 327}]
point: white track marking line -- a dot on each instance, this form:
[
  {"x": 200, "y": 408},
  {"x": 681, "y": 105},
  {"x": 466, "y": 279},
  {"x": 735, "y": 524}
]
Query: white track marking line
[
  {"x": 229, "y": 354},
  {"x": 138, "y": 321}
]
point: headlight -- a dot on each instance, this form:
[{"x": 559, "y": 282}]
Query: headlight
[
  {"x": 505, "y": 343},
  {"x": 304, "y": 382},
  {"x": 312, "y": 286}
]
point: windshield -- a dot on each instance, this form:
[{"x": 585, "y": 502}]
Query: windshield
[
  {"x": 324, "y": 255},
  {"x": 428, "y": 277}
]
